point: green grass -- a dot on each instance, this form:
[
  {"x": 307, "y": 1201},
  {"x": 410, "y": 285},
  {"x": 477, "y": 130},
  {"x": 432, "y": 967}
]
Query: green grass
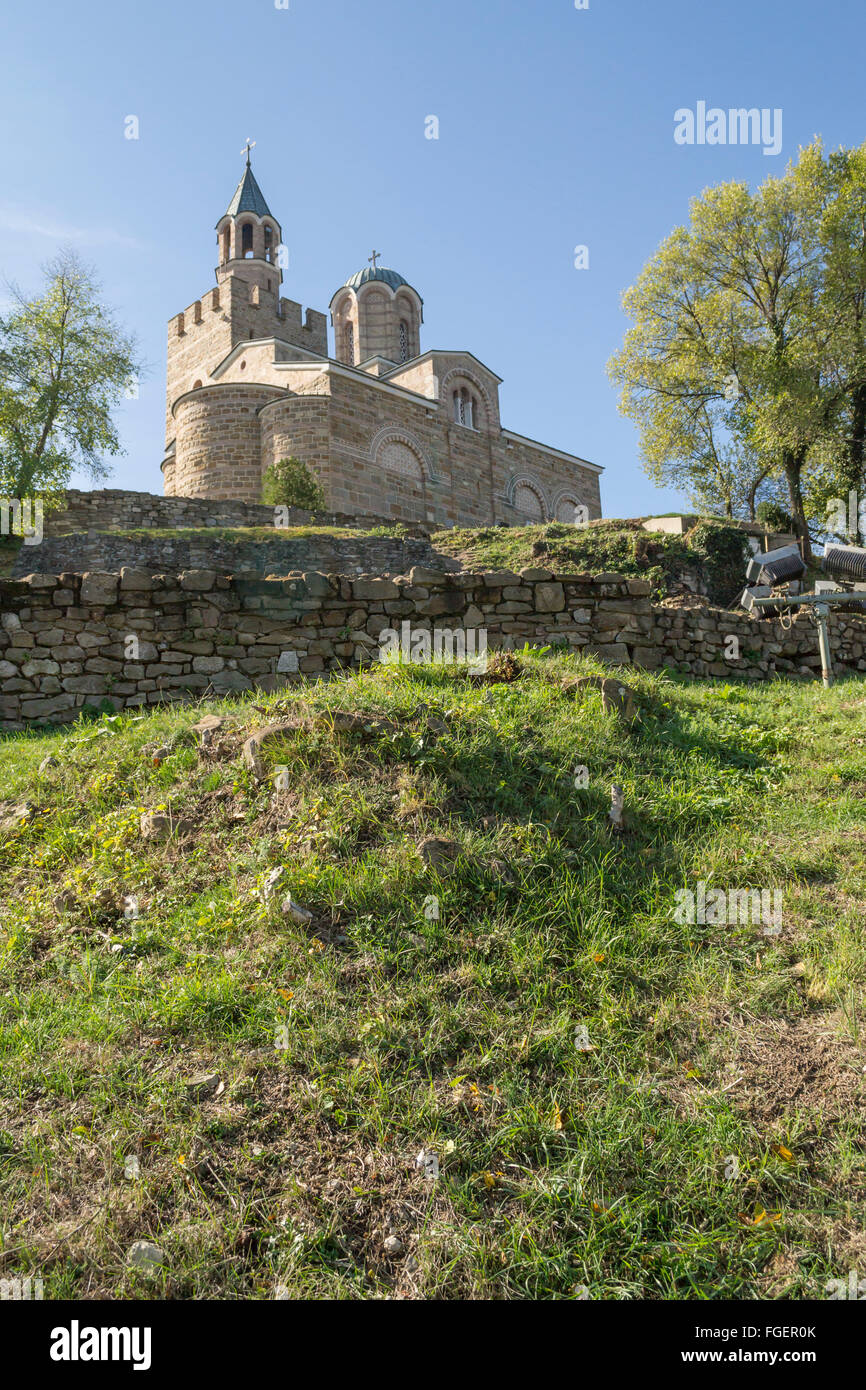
[
  {"x": 714, "y": 552},
  {"x": 241, "y": 534},
  {"x": 561, "y": 1169}
]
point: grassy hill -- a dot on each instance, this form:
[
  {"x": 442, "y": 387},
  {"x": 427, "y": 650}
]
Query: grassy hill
[
  {"x": 617, "y": 1103},
  {"x": 713, "y": 552}
]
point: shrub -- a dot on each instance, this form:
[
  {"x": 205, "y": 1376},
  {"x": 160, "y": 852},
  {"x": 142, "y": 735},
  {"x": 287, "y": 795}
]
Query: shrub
[{"x": 290, "y": 483}]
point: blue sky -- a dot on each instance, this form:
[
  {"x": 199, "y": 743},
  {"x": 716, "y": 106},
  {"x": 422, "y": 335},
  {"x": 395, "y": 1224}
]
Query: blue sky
[{"x": 556, "y": 130}]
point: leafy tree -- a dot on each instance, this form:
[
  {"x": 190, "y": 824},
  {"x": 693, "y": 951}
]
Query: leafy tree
[
  {"x": 64, "y": 364},
  {"x": 745, "y": 367},
  {"x": 290, "y": 483}
]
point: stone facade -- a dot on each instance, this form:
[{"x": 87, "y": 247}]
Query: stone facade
[
  {"x": 387, "y": 428},
  {"x": 65, "y": 639}
]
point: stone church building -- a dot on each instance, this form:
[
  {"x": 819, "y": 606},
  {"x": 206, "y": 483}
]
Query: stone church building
[{"x": 388, "y": 428}]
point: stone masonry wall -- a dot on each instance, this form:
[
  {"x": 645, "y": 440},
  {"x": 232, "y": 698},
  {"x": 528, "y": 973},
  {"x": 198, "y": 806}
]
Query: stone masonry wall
[
  {"x": 116, "y": 509},
  {"x": 277, "y": 554},
  {"x": 64, "y": 640}
]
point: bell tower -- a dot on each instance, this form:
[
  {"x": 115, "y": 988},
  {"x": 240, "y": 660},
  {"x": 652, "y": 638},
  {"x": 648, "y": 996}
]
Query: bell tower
[
  {"x": 249, "y": 236},
  {"x": 246, "y": 306}
]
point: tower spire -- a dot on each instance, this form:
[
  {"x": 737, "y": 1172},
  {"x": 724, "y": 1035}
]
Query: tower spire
[{"x": 249, "y": 235}]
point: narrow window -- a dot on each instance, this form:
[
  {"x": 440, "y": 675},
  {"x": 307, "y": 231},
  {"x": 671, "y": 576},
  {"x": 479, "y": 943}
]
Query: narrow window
[
  {"x": 269, "y": 244},
  {"x": 247, "y": 239},
  {"x": 470, "y": 411},
  {"x": 404, "y": 341},
  {"x": 350, "y": 344},
  {"x": 227, "y": 244}
]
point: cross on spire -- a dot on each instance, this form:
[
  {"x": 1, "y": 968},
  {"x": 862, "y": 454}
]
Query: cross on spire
[
  {"x": 374, "y": 258},
  {"x": 246, "y": 149}
]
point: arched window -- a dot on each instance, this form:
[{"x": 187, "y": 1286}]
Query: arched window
[
  {"x": 247, "y": 239},
  {"x": 399, "y": 458},
  {"x": 567, "y": 509},
  {"x": 404, "y": 341},
  {"x": 350, "y": 344},
  {"x": 269, "y": 243},
  {"x": 465, "y": 412},
  {"x": 528, "y": 501}
]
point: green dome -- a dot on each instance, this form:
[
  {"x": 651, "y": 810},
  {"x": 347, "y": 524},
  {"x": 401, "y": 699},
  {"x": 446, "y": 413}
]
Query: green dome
[{"x": 387, "y": 277}]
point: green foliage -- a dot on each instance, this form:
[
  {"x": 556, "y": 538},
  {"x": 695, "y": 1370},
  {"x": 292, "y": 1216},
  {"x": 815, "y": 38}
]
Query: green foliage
[
  {"x": 290, "y": 483},
  {"x": 722, "y": 553},
  {"x": 745, "y": 367},
  {"x": 64, "y": 365},
  {"x": 774, "y": 517}
]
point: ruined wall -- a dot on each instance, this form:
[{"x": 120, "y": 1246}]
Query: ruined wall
[
  {"x": 116, "y": 509},
  {"x": 278, "y": 554},
  {"x": 64, "y": 640}
]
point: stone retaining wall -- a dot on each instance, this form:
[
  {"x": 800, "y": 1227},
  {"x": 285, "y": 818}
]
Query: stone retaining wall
[
  {"x": 115, "y": 509},
  {"x": 138, "y": 639},
  {"x": 278, "y": 554}
]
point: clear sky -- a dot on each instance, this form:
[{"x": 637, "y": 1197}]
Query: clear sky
[{"x": 556, "y": 130}]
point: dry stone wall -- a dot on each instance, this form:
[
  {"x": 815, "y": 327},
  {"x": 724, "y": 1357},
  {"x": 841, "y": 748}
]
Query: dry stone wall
[
  {"x": 116, "y": 509},
  {"x": 276, "y": 554},
  {"x": 65, "y": 640}
]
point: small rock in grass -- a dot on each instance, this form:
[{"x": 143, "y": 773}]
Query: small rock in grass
[
  {"x": 13, "y": 814},
  {"x": 155, "y": 826},
  {"x": 206, "y": 728},
  {"x": 202, "y": 1084},
  {"x": 393, "y": 1246},
  {"x": 428, "y": 1164},
  {"x": 616, "y": 697},
  {"x": 144, "y": 1255},
  {"x": 299, "y": 914},
  {"x": 48, "y": 762},
  {"x": 438, "y": 854}
]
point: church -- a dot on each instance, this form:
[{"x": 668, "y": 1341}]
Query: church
[{"x": 388, "y": 427}]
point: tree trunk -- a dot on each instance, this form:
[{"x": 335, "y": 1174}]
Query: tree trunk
[
  {"x": 854, "y": 479},
  {"x": 793, "y": 466}
]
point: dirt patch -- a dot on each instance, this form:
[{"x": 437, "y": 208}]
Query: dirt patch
[{"x": 799, "y": 1066}]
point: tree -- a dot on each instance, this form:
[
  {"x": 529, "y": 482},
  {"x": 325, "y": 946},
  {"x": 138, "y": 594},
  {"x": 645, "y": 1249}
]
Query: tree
[
  {"x": 290, "y": 483},
  {"x": 64, "y": 365},
  {"x": 746, "y": 363}
]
